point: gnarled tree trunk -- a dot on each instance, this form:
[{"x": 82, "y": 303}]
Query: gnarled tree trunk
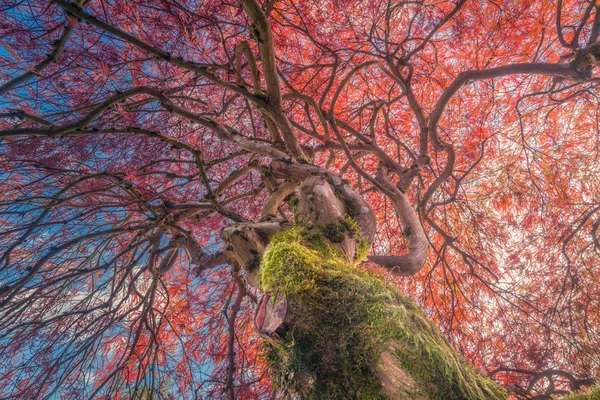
[{"x": 331, "y": 330}]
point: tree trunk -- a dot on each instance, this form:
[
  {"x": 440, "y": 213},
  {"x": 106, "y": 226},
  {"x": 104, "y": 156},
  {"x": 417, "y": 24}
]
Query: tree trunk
[{"x": 332, "y": 330}]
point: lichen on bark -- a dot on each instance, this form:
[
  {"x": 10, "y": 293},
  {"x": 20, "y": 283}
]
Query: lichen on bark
[{"x": 348, "y": 329}]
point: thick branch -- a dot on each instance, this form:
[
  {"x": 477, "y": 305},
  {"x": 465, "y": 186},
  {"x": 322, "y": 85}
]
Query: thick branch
[
  {"x": 264, "y": 37},
  {"x": 414, "y": 260}
]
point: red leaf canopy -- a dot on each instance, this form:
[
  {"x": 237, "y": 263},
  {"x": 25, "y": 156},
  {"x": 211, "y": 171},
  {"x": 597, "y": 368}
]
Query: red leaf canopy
[{"x": 131, "y": 133}]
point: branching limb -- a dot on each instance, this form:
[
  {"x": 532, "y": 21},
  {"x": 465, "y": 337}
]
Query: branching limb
[
  {"x": 59, "y": 46},
  {"x": 197, "y": 255}
]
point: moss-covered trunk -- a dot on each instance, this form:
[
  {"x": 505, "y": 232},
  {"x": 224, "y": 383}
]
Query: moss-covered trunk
[
  {"x": 349, "y": 335},
  {"x": 330, "y": 329}
]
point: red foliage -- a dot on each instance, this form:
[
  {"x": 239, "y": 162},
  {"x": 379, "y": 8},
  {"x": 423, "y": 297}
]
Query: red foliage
[{"x": 127, "y": 126}]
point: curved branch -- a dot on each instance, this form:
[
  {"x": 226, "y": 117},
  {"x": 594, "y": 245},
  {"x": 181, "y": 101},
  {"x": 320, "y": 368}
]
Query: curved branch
[
  {"x": 197, "y": 255},
  {"x": 569, "y": 71},
  {"x": 414, "y": 260},
  {"x": 546, "y": 69},
  {"x": 561, "y": 37},
  {"x": 270, "y": 207}
]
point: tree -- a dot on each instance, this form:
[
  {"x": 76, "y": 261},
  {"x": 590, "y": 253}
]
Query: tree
[{"x": 205, "y": 199}]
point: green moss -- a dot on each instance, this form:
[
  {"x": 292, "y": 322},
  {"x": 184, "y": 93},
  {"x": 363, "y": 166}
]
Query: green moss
[
  {"x": 351, "y": 226},
  {"x": 292, "y": 201},
  {"x": 362, "y": 249},
  {"x": 343, "y": 319},
  {"x": 593, "y": 394},
  {"x": 334, "y": 232}
]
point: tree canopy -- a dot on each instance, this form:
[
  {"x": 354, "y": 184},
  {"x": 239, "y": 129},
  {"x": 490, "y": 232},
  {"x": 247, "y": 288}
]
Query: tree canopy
[{"x": 134, "y": 134}]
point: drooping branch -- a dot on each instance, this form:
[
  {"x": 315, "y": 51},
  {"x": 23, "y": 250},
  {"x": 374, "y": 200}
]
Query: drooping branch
[
  {"x": 82, "y": 122},
  {"x": 231, "y": 319},
  {"x": 75, "y": 128},
  {"x": 577, "y": 70}
]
